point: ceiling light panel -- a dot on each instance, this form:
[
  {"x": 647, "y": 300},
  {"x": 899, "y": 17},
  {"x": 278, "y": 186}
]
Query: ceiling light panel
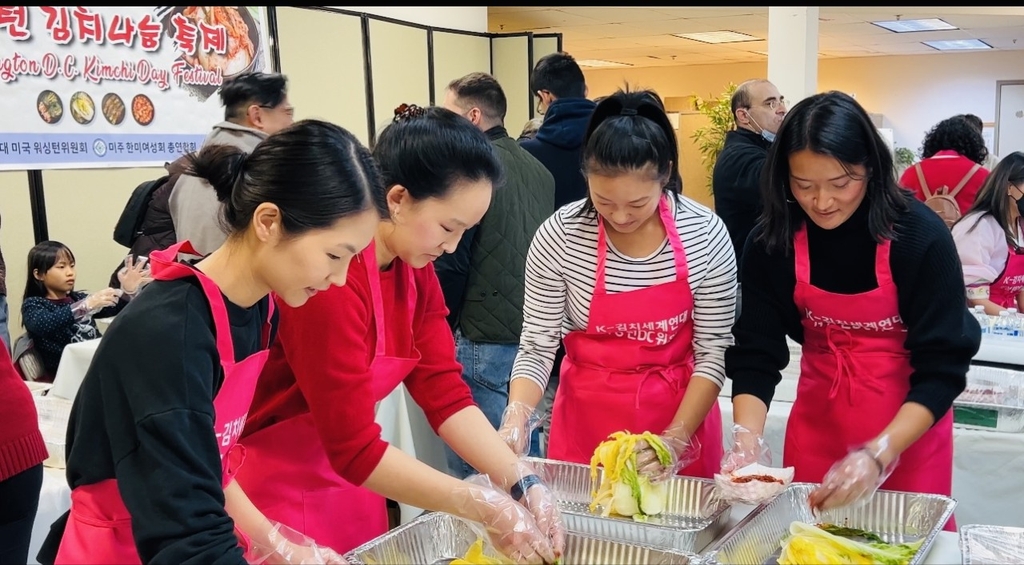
[
  {"x": 958, "y": 45},
  {"x": 909, "y": 26},
  {"x": 723, "y": 36}
]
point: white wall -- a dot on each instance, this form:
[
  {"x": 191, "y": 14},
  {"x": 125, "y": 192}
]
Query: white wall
[{"x": 473, "y": 18}]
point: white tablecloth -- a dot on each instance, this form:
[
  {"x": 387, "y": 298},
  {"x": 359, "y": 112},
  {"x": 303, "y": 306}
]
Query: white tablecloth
[
  {"x": 74, "y": 362},
  {"x": 986, "y": 467}
]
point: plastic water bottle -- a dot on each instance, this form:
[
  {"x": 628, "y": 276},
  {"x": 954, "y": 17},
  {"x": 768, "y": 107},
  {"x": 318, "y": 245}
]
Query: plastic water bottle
[
  {"x": 1001, "y": 326},
  {"x": 1014, "y": 324},
  {"x": 983, "y": 320}
]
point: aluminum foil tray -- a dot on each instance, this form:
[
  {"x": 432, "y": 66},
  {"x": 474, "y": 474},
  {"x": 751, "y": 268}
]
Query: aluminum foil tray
[
  {"x": 437, "y": 538},
  {"x": 897, "y": 517},
  {"x": 989, "y": 545},
  {"x": 693, "y": 515}
]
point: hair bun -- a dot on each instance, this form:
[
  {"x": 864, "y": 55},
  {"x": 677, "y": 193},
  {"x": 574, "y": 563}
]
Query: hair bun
[{"x": 408, "y": 111}]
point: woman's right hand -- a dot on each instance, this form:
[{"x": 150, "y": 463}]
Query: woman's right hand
[
  {"x": 511, "y": 527},
  {"x": 517, "y": 425},
  {"x": 102, "y": 299},
  {"x": 747, "y": 448}
]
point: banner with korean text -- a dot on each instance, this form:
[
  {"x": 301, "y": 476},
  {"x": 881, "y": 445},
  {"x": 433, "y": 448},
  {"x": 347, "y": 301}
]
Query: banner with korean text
[{"x": 98, "y": 87}]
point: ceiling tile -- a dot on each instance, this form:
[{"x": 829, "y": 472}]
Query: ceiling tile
[
  {"x": 605, "y": 43},
  {"x": 902, "y": 48},
  {"x": 976, "y": 22},
  {"x": 607, "y": 31},
  {"x": 857, "y": 29},
  {"x": 712, "y": 12},
  {"x": 746, "y": 24},
  {"x": 1006, "y": 43},
  {"x": 617, "y": 15}
]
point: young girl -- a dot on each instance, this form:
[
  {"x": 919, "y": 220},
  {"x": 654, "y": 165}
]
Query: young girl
[
  {"x": 316, "y": 458},
  {"x": 151, "y": 446},
  {"x": 55, "y": 314},
  {"x": 990, "y": 240},
  {"x": 641, "y": 282}
]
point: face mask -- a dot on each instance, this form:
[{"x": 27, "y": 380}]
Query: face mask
[
  {"x": 1020, "y": 207},
  {"x": 765, "y": 134}
]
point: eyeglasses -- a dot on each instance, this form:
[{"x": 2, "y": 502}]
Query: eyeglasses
[
  {"x": 290, "y": 110},
  {"x": 774, "y": 103}
]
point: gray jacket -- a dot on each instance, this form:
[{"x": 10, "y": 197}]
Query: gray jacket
[{"x": 194, "y": 207}]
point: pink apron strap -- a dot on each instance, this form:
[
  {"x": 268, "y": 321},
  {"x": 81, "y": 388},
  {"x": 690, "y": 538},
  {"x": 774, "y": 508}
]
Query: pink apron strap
[
  {"x": 801, "y": 256},
  {"x": 668, "y": 220},
  {"x": 373, "y": 277},
  {"x": 883, "y": 271},
  {"x": 165, "y": 266}
]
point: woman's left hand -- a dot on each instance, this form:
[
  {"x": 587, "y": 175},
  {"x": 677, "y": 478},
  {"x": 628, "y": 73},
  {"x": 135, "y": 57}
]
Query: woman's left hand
[
  {"x": 540, "y": 501},
  {"x": 682, "y": 450},
  {"x": 134, "y": 275}
]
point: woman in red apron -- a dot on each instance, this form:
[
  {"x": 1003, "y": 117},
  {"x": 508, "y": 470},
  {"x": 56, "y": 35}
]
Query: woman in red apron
[
  {"x": 152, "y": 450},
  {"x": 866, "y": 278},
  {"x": 989, "y": 239},
  {"x": 315, "y": 457},
  {"x": 646, "y": 328}
]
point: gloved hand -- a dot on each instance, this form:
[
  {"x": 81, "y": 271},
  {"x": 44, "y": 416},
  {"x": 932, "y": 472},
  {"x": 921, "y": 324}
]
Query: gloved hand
[
  {"x": 510, "y": 526},
  {"x": 682, "y": 451},
  {"x": 134, "y": 275},
  {"x": 95, "y": 302},
  {"x": 747, "y": 448},
  {"x": 853, "y": 479},
  {"x": 541, "y": 503},
  {"x": 283, "y": 545},
  {"x": 517, "y": 425}
]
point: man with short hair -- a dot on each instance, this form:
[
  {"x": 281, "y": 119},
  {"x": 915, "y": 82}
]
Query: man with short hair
[
  {"x": 484, "y": 279},
  {"x": 758, "y": 109},
  {"x": 561, "y": 91},
  {"x": 255, "y": 106}
]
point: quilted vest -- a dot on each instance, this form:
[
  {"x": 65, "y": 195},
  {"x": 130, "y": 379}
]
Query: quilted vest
[{"x": 492, "y": 310}]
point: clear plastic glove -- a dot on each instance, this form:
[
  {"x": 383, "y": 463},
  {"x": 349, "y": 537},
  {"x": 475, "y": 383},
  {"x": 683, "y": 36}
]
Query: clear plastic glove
[
  {"x": 510, "y": 526},
  {"x": 543, "y": 505},
  {"x": 517, "y": 425},
  {"x": 95, "y": 302},
  {"x": 285, "y": 546},
  {"x": 682, "y": 451},
  {"x": 747, "y": 448},
  {"x": 134, "y": 275},
  {"x": 852, "y": 480}
]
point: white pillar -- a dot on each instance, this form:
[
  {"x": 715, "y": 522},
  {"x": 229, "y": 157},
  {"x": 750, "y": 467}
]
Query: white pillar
[{"x": 793, "y": 51}]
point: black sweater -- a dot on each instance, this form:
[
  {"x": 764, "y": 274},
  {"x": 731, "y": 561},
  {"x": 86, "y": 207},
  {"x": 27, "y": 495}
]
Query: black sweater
[
  {"x": 942, "y": 336},
  {"x": 144, "y": 415}
]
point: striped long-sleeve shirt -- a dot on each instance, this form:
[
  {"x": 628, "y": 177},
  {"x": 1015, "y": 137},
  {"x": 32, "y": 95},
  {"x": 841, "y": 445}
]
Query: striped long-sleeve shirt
[{"x": 560, "y": 276}]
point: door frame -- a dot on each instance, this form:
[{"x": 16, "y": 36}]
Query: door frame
[{"x": 999, "y": 95}]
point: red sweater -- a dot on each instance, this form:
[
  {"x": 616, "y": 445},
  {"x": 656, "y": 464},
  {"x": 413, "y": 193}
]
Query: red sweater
[
  {"x": 21, "y": 442},
  {"x": 320, "y": 363},
  {"x": 946, "y": 168}
]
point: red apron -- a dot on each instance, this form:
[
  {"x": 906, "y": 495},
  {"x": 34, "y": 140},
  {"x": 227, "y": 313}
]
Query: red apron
[
  {"x": 1005, "y": 289},
  {"x": 854, "y": 377},
  {"x": 99, "y": 528},
  {"x": 630, "y": 368},
  {"x": 289, "y": 476}
]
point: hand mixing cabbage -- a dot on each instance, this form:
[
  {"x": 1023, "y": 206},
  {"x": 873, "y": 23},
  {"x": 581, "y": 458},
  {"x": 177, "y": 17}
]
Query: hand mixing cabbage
[
  {"x": 623, "y": 491},
  {"x": 808, "y": 544}
]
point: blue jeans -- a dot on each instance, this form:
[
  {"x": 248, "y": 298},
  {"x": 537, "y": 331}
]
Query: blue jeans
[
  {"x": 486, "y": 368},
  {"x": 5, "y": 332}
]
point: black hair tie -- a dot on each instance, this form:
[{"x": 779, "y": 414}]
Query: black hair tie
[{"x": 628, "y": 112}]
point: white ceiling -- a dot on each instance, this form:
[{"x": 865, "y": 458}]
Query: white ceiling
[{"x": 642, "y": 37}]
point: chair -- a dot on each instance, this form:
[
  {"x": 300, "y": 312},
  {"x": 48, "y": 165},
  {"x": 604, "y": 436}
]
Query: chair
[{"x": 27, "y": 361}]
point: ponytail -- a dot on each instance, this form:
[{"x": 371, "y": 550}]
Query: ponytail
[{"x": 220, "y": 165}]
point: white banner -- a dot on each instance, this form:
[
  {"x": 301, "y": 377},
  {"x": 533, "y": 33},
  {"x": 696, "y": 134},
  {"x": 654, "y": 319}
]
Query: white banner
[{"x": 89, "y": 87}]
